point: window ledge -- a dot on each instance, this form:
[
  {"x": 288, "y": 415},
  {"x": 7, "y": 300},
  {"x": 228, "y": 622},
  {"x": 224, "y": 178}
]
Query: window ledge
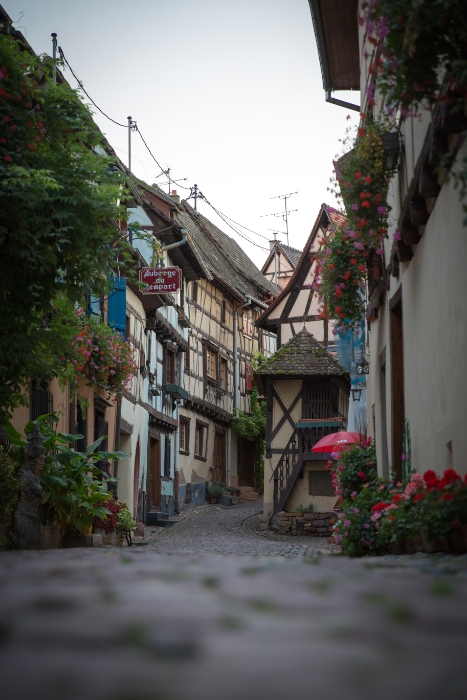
[
  {"x": 201, "y": 459},
  {"x": 184, "y": 452}
]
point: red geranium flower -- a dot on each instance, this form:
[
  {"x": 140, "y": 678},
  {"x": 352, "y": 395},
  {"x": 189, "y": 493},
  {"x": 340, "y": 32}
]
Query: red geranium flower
[
  {"x": 362, "y": 476},
  {"x": 357, "y": 176},
  {"x": 446, "y": 497},
  {"x": 353, "y": 261},
  {"x": 366, "y": 204},
  {"x": 418, "y": 497},
  {"x": 430, "y": 478}
]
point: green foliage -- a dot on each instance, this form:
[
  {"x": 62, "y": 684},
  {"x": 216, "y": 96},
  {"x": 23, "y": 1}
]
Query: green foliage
[
  {"x": 59, "y": 201},
  {"x": 215, "y": 490},
  {"x": 252, "y": 426},
  {"x": 354, "y": 468},
  {"x": 125, "y": 522},
  {"x": 9, "y": 495},
  {"x": 420, "y": 62},
  {"x": 73, "y": 492},
  {"x": 310, "y": 508},
  {"x": 354, "y": 529}
]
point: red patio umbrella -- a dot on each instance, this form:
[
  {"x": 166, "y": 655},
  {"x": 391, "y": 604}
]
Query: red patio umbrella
[{"x": 336, "y": 441}]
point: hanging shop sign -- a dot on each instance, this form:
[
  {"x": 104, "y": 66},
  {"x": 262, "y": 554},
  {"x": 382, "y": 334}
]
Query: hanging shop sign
[{"x": 160, "y": 280}]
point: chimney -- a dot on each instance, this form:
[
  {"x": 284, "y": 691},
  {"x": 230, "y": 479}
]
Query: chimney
[
  {"x": 175, "y": 197},
  {"x": 271, "y": 245}
]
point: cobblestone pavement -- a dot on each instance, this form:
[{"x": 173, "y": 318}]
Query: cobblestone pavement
[
  {"x": 229, "y": 530},
  {"x": 158, "y": 623}
]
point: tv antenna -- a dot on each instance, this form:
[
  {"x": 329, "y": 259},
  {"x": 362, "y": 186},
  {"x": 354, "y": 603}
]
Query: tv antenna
[
  {"x": 170, "y": 180},
  {"x": 285, "y": 215}
]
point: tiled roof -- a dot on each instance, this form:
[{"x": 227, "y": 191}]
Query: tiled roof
[
  {"x": 302, "y": 355},
  {"x": 223, "y": 256},
  {"x": 338, "y": 220},
  {"x": 292, "y": 253}
]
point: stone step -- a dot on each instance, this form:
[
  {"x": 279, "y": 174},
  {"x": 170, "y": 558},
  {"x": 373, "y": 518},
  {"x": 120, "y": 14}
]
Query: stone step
[
  {"x": 245, "y": 489},
  {"x": 249, "y": 496},
  {"x": 153, "y": 519}
]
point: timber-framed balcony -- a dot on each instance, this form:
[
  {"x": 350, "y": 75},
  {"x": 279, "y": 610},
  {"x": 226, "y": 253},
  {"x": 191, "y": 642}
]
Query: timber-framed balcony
[{"x": 311, "y": 430}]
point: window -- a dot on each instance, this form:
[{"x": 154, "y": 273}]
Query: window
[
  {"x": 247, "y": 323},
  {"x": 187, "y": 356},
  {"x": 211, "y": 363},
  {"x": 224, "y": 373},
  {"x": 170, "y": 367},
  {"x": 194, "y": 293},
  {"x": 127, "y": 326},
  {"x": 220, "y": 311},
  {"x": 184, "y": 435},
  {"x": 201, "y": 440},
  {"x": 41, "y": 400}
]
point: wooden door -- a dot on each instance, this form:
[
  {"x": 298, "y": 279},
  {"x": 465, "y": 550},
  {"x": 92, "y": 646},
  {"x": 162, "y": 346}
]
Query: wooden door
[
  {"x": 397, "y": 385},
  {"x": 219, "y": 458},
  {"x": 246, "y": 462},
  {"x": 154, "y": 476}
]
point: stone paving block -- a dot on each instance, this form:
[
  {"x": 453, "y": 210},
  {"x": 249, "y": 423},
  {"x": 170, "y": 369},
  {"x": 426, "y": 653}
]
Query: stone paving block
[{"x": 212, "y": 609}]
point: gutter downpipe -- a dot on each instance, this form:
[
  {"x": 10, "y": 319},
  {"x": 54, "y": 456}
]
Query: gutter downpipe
[{"x": 177, "y": 244}]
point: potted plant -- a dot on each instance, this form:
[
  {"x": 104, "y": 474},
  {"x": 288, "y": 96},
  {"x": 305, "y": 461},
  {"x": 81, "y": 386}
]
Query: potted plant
[
  {"x": 215, "y": 492},
  {"x": 73, "y": 493},
  {"x": 125, "y": 525}
]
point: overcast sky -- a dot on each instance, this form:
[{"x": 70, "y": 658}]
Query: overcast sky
[{"x": 226, "y": 93}]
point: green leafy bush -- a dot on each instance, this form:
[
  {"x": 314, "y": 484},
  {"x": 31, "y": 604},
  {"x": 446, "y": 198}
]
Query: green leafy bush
[
  {"x": 9, "y": 495},
  {"x": 73, "y": 492}
]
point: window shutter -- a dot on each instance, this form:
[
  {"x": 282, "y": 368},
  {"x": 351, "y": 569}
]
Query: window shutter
[
  {"x": 117, "y": 306},
  {"x": 249, "y": 378}
]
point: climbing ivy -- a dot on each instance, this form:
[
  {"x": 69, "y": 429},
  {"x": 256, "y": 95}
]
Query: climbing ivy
[{"x": 59, "y": 204}]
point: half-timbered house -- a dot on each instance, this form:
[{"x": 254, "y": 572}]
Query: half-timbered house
[
  {"x": 298, "y": 302},
  {"x": 280, "y": 264},
  {"x": 222, "y": 307},
  {"x": 307, "y": 394}
]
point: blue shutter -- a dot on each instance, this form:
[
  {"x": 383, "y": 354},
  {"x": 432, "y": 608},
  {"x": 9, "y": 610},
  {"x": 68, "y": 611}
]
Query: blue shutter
[{"x": 117, "y": 306}]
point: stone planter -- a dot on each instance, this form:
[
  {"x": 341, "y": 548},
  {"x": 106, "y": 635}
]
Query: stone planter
[
  {"x": 51, "y": 537},
  {"x": 79, "y": 540},
  {"x": 439, "y": 544},
  {"x": 396, "y": 547},
  {"x": 303, "y": 524},
  {"x": 413, "y": 545},
  {"x": 112, "y": 539},
  {"x": 457, "y": 539}
]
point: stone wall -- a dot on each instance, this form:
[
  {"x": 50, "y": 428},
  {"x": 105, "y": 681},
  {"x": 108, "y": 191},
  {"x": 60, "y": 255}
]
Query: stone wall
[{"x": 313, "y": 524}]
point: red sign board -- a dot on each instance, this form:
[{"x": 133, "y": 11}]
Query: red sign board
[{"x": 160, "y": 280}]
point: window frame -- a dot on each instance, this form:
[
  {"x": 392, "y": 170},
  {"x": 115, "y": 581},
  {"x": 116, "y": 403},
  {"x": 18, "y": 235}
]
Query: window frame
[
  {"x": 203, "y": 428},
  {"x": 185, "y": 422}
]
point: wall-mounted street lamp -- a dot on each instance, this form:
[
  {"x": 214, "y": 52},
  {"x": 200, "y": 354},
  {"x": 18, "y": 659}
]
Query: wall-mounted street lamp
[
  {"x": 362, "y": 366},
  {"x": 392, "y": 148},
  {"x": 356, "y": 394}
]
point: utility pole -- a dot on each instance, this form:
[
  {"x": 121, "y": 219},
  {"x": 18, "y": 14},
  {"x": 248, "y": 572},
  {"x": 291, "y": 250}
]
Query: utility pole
[
  {"x": 131, "y": 127},
  {"x": 285, "y": 215},
  {"x": 54, "y": 57},
  {"x": 195, "y": 195}
]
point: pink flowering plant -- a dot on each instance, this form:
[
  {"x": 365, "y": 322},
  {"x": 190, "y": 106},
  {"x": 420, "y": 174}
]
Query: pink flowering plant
[
  {"x": 355, "y": 530},
  {"x": 354, "y": 468},
  {"x": 361, "y": 183},
  {"x": 100, "y": 354},
  {"x": 428, "y": 504}
]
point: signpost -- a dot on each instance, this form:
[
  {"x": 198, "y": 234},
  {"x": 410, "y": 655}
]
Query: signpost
[{"x": 160, "y": 280}]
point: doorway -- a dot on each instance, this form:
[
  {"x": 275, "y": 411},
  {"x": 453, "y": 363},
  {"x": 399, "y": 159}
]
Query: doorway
[
  {"x": 154, "y": 476},
  {"x": 136, "y": 480},
  {"x": 219, "y": 457},
  {"x": 246, "y": 462}
]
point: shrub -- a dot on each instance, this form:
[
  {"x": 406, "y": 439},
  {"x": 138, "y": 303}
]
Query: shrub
[
  {"x": 9, "y": 495},
  {"x": 354, "y": 467}
]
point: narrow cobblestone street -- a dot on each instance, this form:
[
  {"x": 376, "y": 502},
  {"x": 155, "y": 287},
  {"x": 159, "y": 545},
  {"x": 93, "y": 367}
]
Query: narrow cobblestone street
[{"x": 212, "y": 609}]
